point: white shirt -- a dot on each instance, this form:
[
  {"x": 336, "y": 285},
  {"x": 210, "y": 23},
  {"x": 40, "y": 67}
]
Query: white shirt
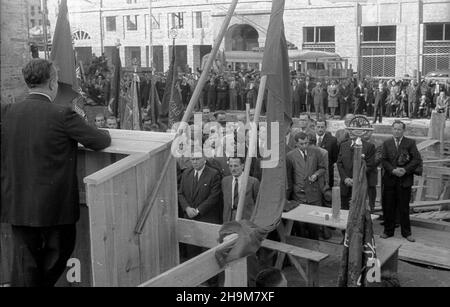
[
  {"x": 42, "y": 94},
  {"x": 199, "y": 173},
  {"x": 319, "y": 139},
  {"x": 399, "y": 142},
  {"x": 304, "y": 155},
  {"x": 239, "y": 179}
]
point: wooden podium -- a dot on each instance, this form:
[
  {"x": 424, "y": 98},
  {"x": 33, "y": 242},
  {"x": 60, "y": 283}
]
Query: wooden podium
[{"x": 114, "y": 186}]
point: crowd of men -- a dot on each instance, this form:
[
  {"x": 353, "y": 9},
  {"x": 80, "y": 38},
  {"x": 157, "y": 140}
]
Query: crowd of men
[
  {"x": 39, "y": 185},
  {"x": 232, "y": 90}
]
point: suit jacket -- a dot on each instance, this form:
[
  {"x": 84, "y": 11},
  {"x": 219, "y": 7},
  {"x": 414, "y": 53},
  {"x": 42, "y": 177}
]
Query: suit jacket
[
  {"x": 345, "y": 160},
  {"x": 314, "y": 165},
  {"x": 205, "y": 198},
  {"x": 390, "y": 158},
  {"x": 250, "y": 198},
  {"x": 39, "y": 162},
  {"x": 329, "y": 143}
]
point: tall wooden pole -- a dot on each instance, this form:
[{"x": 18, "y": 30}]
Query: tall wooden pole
[
  {"x": 101, "y": 27},
  {"x": 201, "y": 82},
  {"x": 356, "y": 168},
  {"x": 252, "y": 148}
]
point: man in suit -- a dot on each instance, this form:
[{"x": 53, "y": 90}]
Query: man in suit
[
  {"x": 318, "y": 94},
  {"x": 39, "y": 176},
  {"x": 145, "y": 87},
  {"x": 380, "y": 101},
  {"x": 231, "y": 186},
  {"x": 328, "y": 142},
  {"x": 305, "y": 172},
  {"x": 199, "y": 193},
  {"x": 400, "y": 160},
  {"x": 360, "y": 103},
  {"x": 304, "y": 167},
  {"x": 345, "y": 166}
]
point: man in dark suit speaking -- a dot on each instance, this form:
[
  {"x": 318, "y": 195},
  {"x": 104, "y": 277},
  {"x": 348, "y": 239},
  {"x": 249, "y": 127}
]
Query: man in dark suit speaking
[
  {"x": 39, "y": 179},
  {"x": 400, "y": 161}
]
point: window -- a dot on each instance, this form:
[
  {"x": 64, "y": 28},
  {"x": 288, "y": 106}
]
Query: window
[
  {"x": 325, "y": 34},
  {"x": 319, "y": 34},
  {"x": 437, "y": 32},
  {"x": 131, "y": 23},
  {"x": 33, "y": 23},
  {"x": 379, "y": 34},
  {"x": 40, "y": 22},
  {"x": 177, "y": 20},
  {"x": 309, "y": 35},
  {"x": 198, "y": 20},
  {"x": 131, "y": 1},
  {"x": 111, "y": 23},
  {"x": 32, "y": 10}
]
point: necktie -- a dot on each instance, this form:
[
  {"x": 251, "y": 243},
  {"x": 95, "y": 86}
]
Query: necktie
[
  {"x": 195, "y": 180},
  {"x": 397, "y": 143},
  {"x": 304, "y": 155},
  {"x": 236, "y": 194},
  {"x": 319, "y": 141}
]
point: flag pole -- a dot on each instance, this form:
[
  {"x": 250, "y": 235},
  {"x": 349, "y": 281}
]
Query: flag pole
[
  {"x": 201, "y": 82},
  {"x": 252, "y": 148}
]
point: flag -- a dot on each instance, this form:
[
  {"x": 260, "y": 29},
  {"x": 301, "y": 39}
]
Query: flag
[
  {"x": 155, "y": 104},
  {"x": 62, "y": 49},
  {"x": 132, "y": 114},
  {"x": 171, "y": 106},
  {"x": 359, "y": 264},
  {"x": 113, "y": 104},
  {"x": 272, "y": 192}
]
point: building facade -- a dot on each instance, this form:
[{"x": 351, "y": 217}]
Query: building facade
[{"x": 379, "y": 38}]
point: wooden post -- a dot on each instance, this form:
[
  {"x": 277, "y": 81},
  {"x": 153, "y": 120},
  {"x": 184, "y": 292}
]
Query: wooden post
[
  {"x": 336, "y": 203},
  {"x": 356, "y": 167},
  {"x": 251, "y": 148}
]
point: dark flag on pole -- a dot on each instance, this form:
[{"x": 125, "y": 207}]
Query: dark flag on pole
[
  {"x": 272, "y": 191},
  {"x": 359, "y": 264},
  {"x": 131, "y": 119},
  {"x": 62, "y": 49},
  {"x": 113, "y": 104},
  {"x": 272, "y": 195},
  {"x": 171, "y": 106}
]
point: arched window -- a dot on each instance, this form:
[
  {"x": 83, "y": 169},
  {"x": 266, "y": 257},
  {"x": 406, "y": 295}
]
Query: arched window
[{"x": 81, "y": 35}]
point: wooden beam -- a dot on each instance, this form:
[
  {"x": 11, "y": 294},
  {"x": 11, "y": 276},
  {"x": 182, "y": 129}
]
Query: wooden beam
[
  {"x": 192, "y": 272},
  {"x": 428, "y": 203},
  {"x": 425, "y": 144},
  {"x": 430, "y": 224}
]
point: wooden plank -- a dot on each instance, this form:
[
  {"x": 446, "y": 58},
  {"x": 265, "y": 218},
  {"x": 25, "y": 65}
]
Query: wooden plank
[
  {"x": 437, "y": 170},
  {"x": 312, "y": 272},
  {"x": 418, "y": 252},
  {"x": 236, "y": 274},
  {"x": 192, "y": 272},
  {"x": 167, "y": 211},
  {"x": 101, "y": 235},
  {"x": 384, "y": 248},
  {"x": 428, "y": 203},
  {"x": 148, "y": 240},
  {"x": 425, "y": 144},
  {"x": 198, "y": 233},
  {"x": 296, "y": 251},
  {"x": 115, "y": 169},
  {"x": 430, "y": 224},
  {"x": 125, "y": 211}
]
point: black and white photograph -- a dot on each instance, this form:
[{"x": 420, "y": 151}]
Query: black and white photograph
[{"x": 213, "y": 147}]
